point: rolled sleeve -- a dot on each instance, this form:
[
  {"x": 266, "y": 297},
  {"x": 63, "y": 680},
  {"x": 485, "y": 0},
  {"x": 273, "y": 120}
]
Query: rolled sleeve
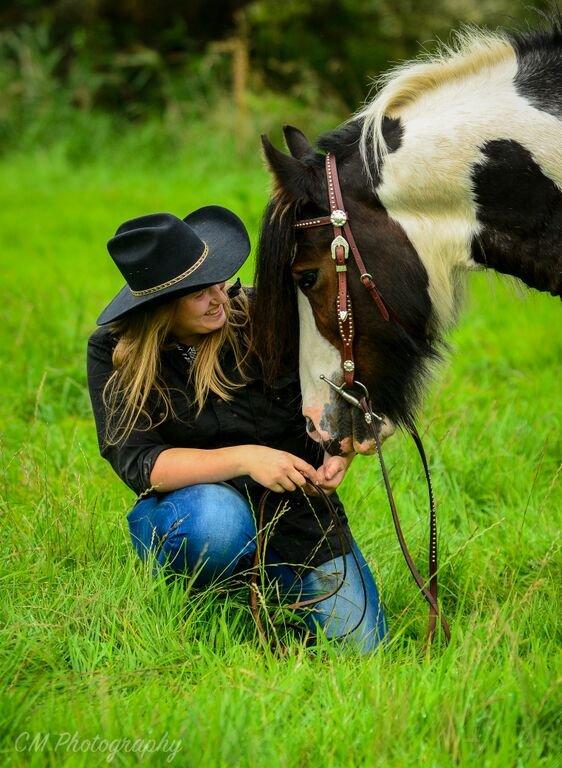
[
  {"x": 132, "y": 459},
  {"x": 134, "y": 463}
]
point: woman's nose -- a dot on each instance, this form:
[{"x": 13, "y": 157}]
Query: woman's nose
[{"x": 219, "y": 293}]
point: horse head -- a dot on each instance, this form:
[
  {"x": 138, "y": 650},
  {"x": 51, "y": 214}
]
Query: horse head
[
  {"x": 454, "y": 166},
  {"x": 296, "y": 278}
]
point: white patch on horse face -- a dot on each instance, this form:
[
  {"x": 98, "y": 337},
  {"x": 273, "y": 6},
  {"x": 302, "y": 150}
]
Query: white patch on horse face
[
  {"x": 316, "y": 356},
  {"x": 427, "y": 183},
  {"x": 320, "y": 403}
]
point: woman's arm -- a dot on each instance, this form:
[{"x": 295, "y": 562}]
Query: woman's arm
[
  {"x": 145, "y": 461},
  {"x": 132, "y": 459},
  {"x": 277, "y": 470}
]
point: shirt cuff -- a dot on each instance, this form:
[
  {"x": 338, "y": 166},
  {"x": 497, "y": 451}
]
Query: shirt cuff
[{"x": 147, "y": 464}]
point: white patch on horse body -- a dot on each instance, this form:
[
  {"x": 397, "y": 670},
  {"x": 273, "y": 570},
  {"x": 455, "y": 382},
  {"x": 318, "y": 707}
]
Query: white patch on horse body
[
  {"x": 426, "y": 184},
  {"x": 316, "y": 356}
]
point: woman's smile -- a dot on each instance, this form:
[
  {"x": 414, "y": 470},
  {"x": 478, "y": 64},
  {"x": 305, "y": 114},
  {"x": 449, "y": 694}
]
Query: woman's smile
[{"x": 200, "y": 313}]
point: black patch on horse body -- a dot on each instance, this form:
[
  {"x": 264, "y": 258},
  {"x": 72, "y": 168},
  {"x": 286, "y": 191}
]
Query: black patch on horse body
[
  {"x": 539, "y": 68},
  {"x": 392, "y": 131},
  {"x": 521, "y": 212}
]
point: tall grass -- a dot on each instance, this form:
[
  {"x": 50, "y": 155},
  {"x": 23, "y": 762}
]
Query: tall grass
[{"x": 91, "y": 643}]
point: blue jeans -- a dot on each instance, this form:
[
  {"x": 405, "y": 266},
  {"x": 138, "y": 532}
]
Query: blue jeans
[{"x": 209, "y": 531}]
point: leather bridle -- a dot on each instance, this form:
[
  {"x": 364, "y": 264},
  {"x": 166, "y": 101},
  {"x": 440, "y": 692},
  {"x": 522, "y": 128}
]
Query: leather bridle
[{"x": 342, "y": 243}]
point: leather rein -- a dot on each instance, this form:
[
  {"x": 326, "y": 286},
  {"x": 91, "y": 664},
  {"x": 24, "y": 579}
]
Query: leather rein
[{"x": 342, "y": 243}]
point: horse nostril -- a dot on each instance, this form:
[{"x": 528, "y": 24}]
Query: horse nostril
[{"x": 309, "y": 425}]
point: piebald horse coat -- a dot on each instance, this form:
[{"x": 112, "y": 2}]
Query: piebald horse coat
[{"x": 455, "y": 165}]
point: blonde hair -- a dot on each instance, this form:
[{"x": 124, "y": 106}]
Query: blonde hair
[{"x": 136, "y": 377}]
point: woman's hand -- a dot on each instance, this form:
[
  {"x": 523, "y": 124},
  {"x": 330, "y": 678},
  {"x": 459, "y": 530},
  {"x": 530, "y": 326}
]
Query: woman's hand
[
  {"x": 277, "y": 470},
  {"x": 333, "y": 470}
]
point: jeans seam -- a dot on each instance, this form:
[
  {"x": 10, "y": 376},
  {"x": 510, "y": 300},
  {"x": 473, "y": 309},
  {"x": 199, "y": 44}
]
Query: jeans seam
[{"x": 171, "y": 528}]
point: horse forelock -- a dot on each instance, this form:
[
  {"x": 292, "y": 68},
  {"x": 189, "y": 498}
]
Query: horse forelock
[{"x": 275, "y": 322}]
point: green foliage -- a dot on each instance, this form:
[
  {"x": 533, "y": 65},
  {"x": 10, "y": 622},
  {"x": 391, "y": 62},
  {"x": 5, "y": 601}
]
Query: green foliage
[
  {"x": 91, "y": 642},
  {"x": 68, "y": 64}
]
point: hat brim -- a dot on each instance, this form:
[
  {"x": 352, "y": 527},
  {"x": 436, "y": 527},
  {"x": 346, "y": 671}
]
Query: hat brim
[{"x": 229, "y": 247}]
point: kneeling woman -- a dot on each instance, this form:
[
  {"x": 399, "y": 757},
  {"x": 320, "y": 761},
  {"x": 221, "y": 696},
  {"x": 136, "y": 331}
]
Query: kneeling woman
[{"x": 185, "y": 419}]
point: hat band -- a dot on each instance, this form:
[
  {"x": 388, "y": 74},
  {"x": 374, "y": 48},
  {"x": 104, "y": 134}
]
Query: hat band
[{"x": 177, "y": 279}]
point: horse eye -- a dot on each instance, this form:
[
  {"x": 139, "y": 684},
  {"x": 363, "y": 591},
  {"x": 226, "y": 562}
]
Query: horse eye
[{"x": 307, "y": 280}]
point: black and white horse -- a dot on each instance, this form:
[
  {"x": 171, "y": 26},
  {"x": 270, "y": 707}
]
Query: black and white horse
[{"x": 455, "y": 165}]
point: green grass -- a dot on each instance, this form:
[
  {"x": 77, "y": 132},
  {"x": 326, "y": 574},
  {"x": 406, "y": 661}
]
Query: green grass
[{"x": 91, "y": 643}]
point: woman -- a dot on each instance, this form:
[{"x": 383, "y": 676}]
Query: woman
[{"x": 186, "y": 421}]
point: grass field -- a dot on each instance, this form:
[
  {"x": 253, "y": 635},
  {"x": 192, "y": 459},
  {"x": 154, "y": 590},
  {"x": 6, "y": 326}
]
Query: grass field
[{"x": 92, "y": 645}]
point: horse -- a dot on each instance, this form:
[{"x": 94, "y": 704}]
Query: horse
[{"x": 455, "y": 165}]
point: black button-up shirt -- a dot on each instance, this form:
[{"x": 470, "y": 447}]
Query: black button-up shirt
[{"x": 302, "y": 534}]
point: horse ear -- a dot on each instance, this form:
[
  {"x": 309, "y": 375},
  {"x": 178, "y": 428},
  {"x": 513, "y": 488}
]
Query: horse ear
[
  {"x": 295, "y": 179},
  {"x": 297, "y": 143}
]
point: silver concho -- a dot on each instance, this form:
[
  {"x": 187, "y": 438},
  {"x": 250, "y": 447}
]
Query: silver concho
[
  {"x": 338, "y": 218},
  {"x": 348, "y": 366}
]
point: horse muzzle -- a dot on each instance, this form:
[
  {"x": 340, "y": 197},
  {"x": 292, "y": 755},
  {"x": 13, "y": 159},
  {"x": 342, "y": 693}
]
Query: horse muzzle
[{"x": 340, "y": 427}]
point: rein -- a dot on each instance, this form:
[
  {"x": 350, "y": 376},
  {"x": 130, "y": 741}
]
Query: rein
[{"x": 343, "y": 241}]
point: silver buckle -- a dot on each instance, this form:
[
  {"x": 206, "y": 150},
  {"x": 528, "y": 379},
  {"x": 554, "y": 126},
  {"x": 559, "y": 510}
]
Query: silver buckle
[{"x": 340, "y": 241}]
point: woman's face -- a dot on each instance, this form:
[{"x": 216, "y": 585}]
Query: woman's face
[{"x": 199, "y": 313}]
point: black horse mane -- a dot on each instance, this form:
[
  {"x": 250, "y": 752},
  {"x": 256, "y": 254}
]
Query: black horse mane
[
  {"x": 343, "y": 141},
  {"x": 275, "y": 327},
  {"x": 544, "y": 40}
]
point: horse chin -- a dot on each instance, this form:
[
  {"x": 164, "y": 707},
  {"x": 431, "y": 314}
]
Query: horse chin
[
  {"x": 367, "y": 446},
  {"x": 358, "y": 442}
]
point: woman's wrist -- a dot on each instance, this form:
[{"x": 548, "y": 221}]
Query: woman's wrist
[{"x": 242, "y": 462}]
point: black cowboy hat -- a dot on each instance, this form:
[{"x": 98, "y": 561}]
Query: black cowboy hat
[{"x": 161, "y": 256}]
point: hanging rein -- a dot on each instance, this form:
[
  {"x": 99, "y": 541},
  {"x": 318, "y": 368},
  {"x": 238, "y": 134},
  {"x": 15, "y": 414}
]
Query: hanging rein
[{"x": 343, "y": 242}]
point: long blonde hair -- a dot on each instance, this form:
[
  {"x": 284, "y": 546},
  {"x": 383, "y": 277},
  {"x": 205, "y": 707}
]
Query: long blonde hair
[{"x": 136, "y": 362}]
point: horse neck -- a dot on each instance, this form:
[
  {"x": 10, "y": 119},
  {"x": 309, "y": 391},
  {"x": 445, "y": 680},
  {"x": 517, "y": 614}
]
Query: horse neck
[{"x": 467, "y": 199}]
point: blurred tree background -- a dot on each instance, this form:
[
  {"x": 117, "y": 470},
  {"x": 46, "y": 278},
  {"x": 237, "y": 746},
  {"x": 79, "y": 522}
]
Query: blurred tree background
[{"x": 95, "y": 65}]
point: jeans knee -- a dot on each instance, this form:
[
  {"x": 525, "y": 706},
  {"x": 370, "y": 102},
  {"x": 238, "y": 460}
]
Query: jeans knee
[
  {"x": 214, "y": 531},
  {"x": 353, "y": 613}
]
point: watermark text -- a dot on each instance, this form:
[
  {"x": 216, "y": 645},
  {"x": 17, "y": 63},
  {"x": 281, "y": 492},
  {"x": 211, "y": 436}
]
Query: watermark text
[{"x": 74, "y": 742}]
